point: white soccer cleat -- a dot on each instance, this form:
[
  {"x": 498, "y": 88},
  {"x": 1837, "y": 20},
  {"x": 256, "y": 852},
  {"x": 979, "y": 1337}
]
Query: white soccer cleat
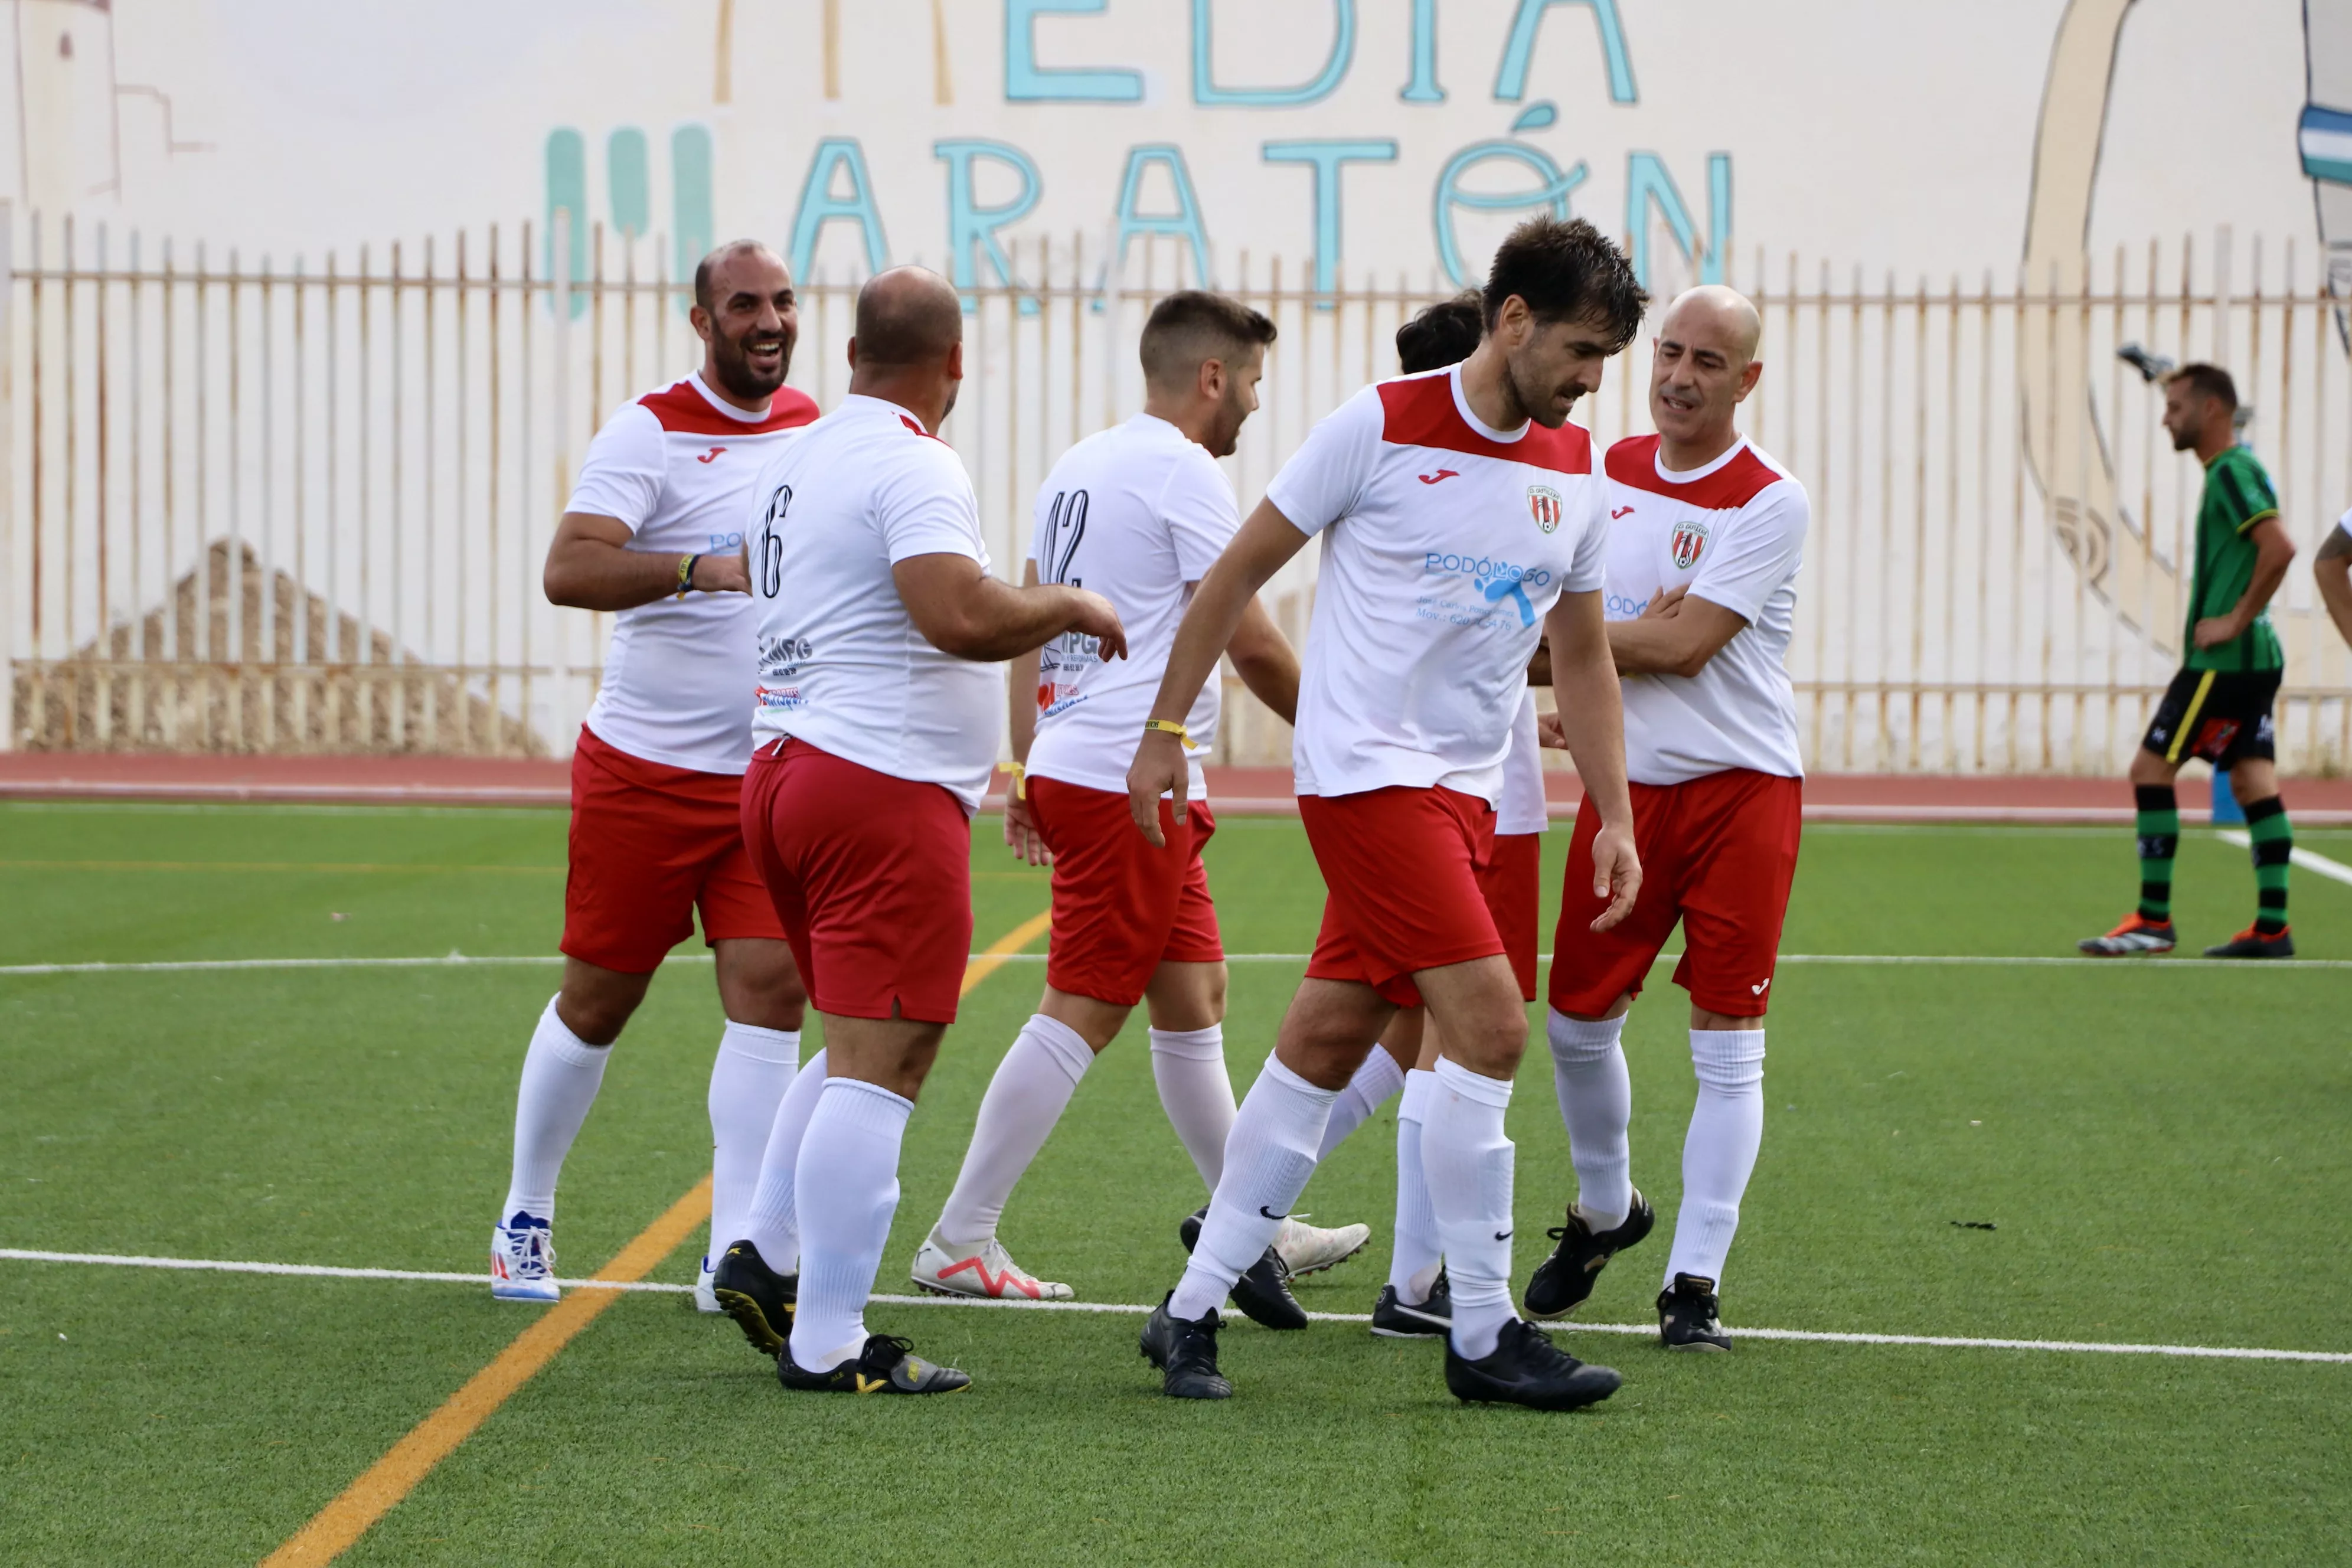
[
  {"x": 990, "y": 1274},
  {"x": 1311, "y": 1249},
  {"x": 522, "y": 1260},
  {"x": 706, "y": 1295}
]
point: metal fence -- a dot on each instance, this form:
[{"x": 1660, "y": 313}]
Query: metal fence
[{"x": 260, "y": 504}]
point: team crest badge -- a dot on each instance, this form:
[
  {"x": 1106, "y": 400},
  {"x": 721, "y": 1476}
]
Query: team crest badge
[
  {"x": 1545, "y": 506},
  {"x": 1689, "y": 540}
]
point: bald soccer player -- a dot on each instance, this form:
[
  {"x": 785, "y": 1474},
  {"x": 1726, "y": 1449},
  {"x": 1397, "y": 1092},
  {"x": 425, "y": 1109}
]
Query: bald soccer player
[
  {"x": 1705, "y": 536},
  {"x": 653, "y": 534},
  {"x": 880, "y": 632}
]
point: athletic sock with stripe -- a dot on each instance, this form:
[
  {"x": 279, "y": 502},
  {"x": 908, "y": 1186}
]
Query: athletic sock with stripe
[
  {"x": 2273, "y": 848},
  {"x": 2157, "y": 825}
]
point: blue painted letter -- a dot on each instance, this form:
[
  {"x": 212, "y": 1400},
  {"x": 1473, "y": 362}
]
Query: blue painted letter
[
  {"x": 1325, "y": 158},
  {"x": 691, "y": 215},
  {"x": 973, "y": 227},
  {"x": 567, "y": 191},
  {"x": 1026, "y": 82},
  {"x": 1511, "y": 80},
  {"x": 1206, "y": 92},
  {"x": 1647, "y": 181},
  {"x": 1185, "y": 222},
  {"x": 1424, "y": 88},
  {"x": 1553, "y": 193},
  {"x": 628, "y": 182},
  {"x": 820, "y": 206}
]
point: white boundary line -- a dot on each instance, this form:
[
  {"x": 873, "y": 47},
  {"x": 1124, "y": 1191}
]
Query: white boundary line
[
  {"x": 1807, "y": 1336},
  {"x": 2311, "y": 861},
  {"x": 465, "y": 961}
]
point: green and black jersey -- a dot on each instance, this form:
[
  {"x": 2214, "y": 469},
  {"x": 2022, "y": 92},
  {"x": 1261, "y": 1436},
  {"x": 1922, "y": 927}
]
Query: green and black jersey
[{"x": 2238, "y": 495}]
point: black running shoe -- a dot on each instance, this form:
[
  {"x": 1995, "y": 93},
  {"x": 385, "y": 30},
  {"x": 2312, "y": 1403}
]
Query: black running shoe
[
  {"x": 1527, "y": 1369},
  {"x": 1686, "y": 1316},
  {"x": 758, "y": 1298},
  {"x": 1264, "y": 1294},
  {"x": 1185, "y": 1352},
  {"x": 1394, "y": 1317},
  {"x": 2251, "y": 943},
  {"x": 1188, "y": 1229},
  {"x": 887, "y": 1365},
  {"x": 1561, "y": 1283}
]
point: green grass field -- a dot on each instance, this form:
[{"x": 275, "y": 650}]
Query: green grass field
[{"x": 2162, "y": 1146}]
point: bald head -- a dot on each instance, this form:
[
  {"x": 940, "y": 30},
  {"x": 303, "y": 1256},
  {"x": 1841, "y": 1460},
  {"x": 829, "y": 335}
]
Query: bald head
[
  {"x": 1702, "y": 366},
  {"x": 907, "y": 317}
]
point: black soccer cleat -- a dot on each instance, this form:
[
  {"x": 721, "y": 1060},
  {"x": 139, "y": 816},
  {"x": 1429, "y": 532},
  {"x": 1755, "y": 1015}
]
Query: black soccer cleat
[
  {"x": 1394, "y": 1318},
  {"x": 1188, "y": 1229},
  {"x": 1686, "y": 1316},
  {"x": 2251, "y": 943},
  {"x": 1185, "y": 1351},
  {"x": 1527, "y": 1369},
  {"x": 887, "y": 1365},
  {"x": 758, "y": 1298},
  {"x": 1264, "y": 1294},
  {"x": 1562, "y": 1283}
]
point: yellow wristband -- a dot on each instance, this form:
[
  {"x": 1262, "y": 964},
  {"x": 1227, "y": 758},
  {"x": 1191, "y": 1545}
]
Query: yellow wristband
[
  {"x": 1170, "y": 727},
  {"x": 1020, "y": 780}
]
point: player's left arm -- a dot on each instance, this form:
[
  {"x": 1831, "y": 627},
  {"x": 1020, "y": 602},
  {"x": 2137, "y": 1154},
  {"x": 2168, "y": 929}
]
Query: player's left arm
[
  {"x": 1593, "y": 720},
  {"x": 2273, "y": 553},
  {"x": 2332, "y": 570},
  {"x": 1676, "y": 634},
  {"x": 1021, "y": 835},
  {"x": 1752, "y": 560}
]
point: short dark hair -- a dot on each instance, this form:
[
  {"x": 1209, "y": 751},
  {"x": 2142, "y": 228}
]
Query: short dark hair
[
  {"x": 709, "y": 264},
  {"x": 1443, "y": 334},
  {"x": 1192, "y": 325},
  {"x": 2211, "y": 380},
  {"x": 1567, "y": 271}
]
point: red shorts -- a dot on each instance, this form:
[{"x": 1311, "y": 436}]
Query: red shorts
[
  {"x": 1509, "y": 883},
  {"x": 649, "y": 843},
  {"x": 1404, "y": 868},
  {"x": 1717, "y": 853},
  {"x": 1122, "y": 908},
  {"x": 872, "y": 878}
]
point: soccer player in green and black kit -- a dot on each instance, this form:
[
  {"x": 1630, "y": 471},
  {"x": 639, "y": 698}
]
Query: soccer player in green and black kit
[{"x": 2218, "y": 706}]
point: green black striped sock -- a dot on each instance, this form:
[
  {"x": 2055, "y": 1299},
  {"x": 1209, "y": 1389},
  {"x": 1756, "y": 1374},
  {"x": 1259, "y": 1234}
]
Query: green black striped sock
[
  {"x": 2273, "y": 837},
  {"x": 2160, "y": 840}
]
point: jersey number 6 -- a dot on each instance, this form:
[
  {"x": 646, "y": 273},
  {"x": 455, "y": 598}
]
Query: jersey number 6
[{"x": 771, "y": 549}]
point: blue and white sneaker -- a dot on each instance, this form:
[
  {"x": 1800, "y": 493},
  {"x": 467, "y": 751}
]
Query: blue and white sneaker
[
  {"x": 522, "y": 1259},
  {"x": 706, "y": 1293}
]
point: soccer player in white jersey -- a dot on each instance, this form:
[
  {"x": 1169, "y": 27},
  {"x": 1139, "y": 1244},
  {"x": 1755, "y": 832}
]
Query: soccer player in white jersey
[
  {"x": 653, "y": 533},
  {"x": 1460, "y": 517},
  {"x": 1705, "y": 538},
  {"x": 875, "y": 716},
  {"x": 1137, "y": 514}
]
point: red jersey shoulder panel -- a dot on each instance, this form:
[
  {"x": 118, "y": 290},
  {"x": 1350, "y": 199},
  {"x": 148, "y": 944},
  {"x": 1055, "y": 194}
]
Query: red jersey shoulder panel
[
  {"x": 917, "y": 429},
  {"x": 683, "y": 411},
  {"x": 1634, "y": 463},
  {"x": 1419, "y": 412}
]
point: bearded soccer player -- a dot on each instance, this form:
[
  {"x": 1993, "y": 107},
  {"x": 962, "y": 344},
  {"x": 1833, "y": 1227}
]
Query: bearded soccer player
[
  {"x": 1461, "y": 518},
  {"x": 1705, "y": 537},
  {"x": 2218, "y": 706},
  {"x": 653, "y": 533},
  {"x": 1417, "y": 1302},
  {"x": 879, "y": 628},
  {"x": 1138, "y": 514}
]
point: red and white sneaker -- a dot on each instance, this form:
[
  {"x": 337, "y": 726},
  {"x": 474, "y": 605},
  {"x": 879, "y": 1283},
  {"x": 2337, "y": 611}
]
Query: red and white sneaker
[
  {"x": 2137, "y": 934},
  {"x": 990, "y": 1274},
  {"x": 522, "y": 1260}
]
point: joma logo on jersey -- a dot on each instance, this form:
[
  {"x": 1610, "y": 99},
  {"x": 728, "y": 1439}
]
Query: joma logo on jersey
[
  {"x": 1546, "y": 507},
  {"x": 1689, "y": 539}
]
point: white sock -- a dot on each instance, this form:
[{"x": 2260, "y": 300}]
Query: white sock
[
  {"x": 560, "y": 1073},
  {"x": 848, "y": 1183},
  {"x": 754, "y": 1067},
  {"x": 770, "y": 1223},
  {"x": 1189, "y": 1065},
  {"x": 1033, "y": 1085},
  {"x": 1267, "y": 1161},
  {"x": 1412, "y": 1265},
  {"x": 1596, "y": 1105},
  {"x": 1469, "y": 1167},
  {"x": 1727, "y": 1126},
  {"x": 1379, "y": 1077}
]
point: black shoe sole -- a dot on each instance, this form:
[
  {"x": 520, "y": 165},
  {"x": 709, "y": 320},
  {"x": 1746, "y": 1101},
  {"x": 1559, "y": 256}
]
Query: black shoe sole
[
  {"x": 1577, "y": 1400},
  {"x": 753, "y": 1320},
  {"x": 1696, "y": 1345}
]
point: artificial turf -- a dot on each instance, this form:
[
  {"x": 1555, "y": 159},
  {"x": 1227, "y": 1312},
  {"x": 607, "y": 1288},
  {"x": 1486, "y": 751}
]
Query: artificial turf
[{"x": 2160, "y": 1147}]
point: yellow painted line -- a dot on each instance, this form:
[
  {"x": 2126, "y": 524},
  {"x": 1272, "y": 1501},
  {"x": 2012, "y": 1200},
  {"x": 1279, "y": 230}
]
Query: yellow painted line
[
  {"x": 262, "y": 866},
  {"x": 336, "y": 1528}
]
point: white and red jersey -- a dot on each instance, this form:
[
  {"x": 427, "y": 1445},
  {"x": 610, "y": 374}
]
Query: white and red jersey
[
  {"x": 841, "y": 664},
  {"x": 1732, "y": 533},
  {"x": 1137, "y": 513},
  {"x": 1444, "y": 543},
  {"x": 1521, "y": 808},
  {"x": 675, "y": 468}
]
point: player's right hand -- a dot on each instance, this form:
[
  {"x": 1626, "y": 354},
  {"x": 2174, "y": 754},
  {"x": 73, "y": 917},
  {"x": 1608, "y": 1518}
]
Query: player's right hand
[
  {"x": 1616, "y": 874},
  {"x": 1663, "y": 604},
  {"x": 1095, "y": 617},
  {"x": 1159, "y": 768},
  {"x": 1022, "y": 835}
]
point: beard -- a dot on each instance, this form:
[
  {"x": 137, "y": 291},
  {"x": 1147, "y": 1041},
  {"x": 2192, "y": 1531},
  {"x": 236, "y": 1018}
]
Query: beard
[
  {"x": 1531, "y": 399},
  {"x": 733, "y": 361}
]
